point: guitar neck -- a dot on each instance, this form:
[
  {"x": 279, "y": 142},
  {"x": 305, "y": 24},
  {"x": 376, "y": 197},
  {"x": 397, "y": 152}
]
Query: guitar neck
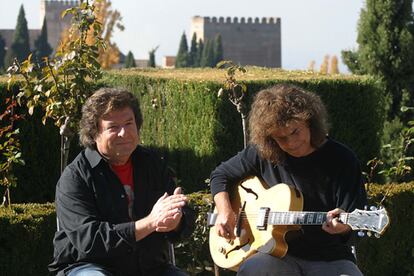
[{"x": 301, "y": 218}]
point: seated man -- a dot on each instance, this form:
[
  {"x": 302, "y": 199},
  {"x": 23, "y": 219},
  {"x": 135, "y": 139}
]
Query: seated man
[
  {"x": 116, "y": 203},
  {"x": 289, "y": 144}
]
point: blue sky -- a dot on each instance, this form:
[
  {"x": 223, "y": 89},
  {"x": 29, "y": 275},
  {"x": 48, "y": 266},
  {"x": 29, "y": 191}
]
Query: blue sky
[{"x": 310, "y": 29}]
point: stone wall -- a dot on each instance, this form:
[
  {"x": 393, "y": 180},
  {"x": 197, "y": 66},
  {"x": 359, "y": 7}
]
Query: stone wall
[
  {"x": 246, "y": 41},
  {"x": 52, "y": 10}
]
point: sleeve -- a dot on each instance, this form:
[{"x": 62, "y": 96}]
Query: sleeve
[
  {"x": 78, "y": 217},
  {"x": 351, "y": 192},
  {"x": 232, "y": 171}
]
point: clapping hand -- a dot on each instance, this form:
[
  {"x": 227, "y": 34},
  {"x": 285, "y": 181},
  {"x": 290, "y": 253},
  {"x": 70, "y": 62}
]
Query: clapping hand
[{"x": 167, "y": 211}]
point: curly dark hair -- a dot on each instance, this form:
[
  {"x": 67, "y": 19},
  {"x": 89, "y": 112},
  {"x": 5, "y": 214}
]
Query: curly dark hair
[
  {"x": 103, "y": 101},
  {"x": 275, "y": 107}
]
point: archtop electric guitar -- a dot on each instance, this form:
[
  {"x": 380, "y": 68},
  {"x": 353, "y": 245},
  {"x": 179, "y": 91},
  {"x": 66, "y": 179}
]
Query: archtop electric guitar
[{"x": 265, "y": 215}]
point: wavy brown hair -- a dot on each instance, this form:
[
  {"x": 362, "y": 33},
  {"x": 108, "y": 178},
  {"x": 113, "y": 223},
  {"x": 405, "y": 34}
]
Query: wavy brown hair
[
  {"x": 275, "y": 107},
  {"x": 102, "y": 102}
]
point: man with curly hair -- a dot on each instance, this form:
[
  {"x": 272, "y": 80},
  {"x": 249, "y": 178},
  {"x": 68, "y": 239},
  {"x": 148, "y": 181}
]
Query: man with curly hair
[
  {"x": 116, "y": 203},
  {"x": 289, "y": 144}
]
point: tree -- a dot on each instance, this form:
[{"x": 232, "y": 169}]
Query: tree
[
  {"x": 311, "y": 66},
  {"x": 20, "y": 47},
  {"x": 207, "y": 58},
  {"x": 65, "y": 82},
  {"x": 218, "y": 50},
  {"x": 109, "y": 19},
  {"x": 200, "y": 48},
  {"x": 324, "y": 65},
  {"x": 130, "y": 60},
  {"x": 333, "y": 66},
  {"x": 385, "y": 43},
  {"x": 193, "y": 61},
  {"x": 151, "y": 60},
  {"x": 236, "y": 92},
  {"x": 182, "y": 55},
  {"x": 10, "y": 150},
  {"x": 2, "y": 53},
  {"x": 42, "y": 47}
]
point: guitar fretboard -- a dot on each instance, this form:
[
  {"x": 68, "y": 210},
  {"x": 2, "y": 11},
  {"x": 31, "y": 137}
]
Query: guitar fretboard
[{"x": 300, "y": 218}]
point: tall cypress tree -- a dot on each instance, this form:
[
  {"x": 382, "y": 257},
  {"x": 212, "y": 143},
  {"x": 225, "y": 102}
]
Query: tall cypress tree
[
  {"x": 2, "y": 53},
  {"x": 385, "y": 49},
  {"x": 192, "y": 58},
  {"x": 130, "y": 60},
  {"x": 151, "y": 60},
  {"x": 218, "y": 49},
  {"x": 20, "y": 47},
  {"x": 182, "y": 56},
  {"x": 42, "y": 46},
  {"x": 207, "y": 59},
  {"x": 200, "y": 48}
]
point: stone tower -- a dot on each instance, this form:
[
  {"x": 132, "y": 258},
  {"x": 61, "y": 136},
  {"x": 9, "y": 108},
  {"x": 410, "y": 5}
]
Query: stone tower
[
  {"x": 248, "y": 42},
  {"x": 52, "y": 10}
]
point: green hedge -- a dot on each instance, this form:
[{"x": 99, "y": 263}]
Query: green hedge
[
  {"x": 393, "y": 253},
  {"x": 195, "y": 130},
  {"x": 27, "y": 232}
]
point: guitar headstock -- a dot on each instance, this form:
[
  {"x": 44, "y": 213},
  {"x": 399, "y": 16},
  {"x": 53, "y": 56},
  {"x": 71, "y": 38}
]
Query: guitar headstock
[{"x": 373, "y": 221}]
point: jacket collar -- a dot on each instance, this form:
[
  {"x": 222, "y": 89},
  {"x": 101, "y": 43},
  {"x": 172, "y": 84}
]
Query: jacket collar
[{"x": 93, "y": 157}]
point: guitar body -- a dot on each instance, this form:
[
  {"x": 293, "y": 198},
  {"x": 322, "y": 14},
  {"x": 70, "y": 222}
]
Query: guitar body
[{"x": 253, "y": 195}]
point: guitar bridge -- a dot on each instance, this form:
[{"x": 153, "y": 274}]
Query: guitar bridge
[{"x": 262, "y": 218}]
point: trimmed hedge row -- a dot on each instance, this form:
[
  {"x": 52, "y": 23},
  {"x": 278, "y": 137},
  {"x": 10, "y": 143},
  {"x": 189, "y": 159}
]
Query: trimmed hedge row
[
  {"x": 195, "y": 130},
  {"x": 26, "y": 239},
  {"x": 27, "y": 231}
]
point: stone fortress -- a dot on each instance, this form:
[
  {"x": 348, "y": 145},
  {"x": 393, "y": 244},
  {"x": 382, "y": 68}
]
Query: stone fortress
[
  {"x": 51, "y": 10},
  {"x": 245, "y": 41}
]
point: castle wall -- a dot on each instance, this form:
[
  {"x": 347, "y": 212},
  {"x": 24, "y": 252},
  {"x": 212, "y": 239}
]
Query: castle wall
[
  {"x": 7, "y": 35},
  {"x": 52, "y": 10},
  {"x": 245, "y": 41}
]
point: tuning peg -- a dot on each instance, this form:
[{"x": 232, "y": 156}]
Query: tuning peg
[
  {"x": 373, "y": 208},
  {"x": 361, "y": 234},
  {"x": 369, "y": 234},
  {"x": 377, "y": 235},
  {"x": 365, "y": 207}
]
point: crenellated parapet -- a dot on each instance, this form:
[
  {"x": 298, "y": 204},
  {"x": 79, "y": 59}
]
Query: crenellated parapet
[
  {"x": 69, "y": 3},
  {"x": 237, "y": 20},
  {"x": 245, "y": 40}
]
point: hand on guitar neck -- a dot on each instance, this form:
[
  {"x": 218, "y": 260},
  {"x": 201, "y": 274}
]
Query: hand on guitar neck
[
  {"x": 226, "y": 219},
  {"x": 333, "y": 225}
]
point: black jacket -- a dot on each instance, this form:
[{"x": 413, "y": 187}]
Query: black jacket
[
  {"x": 329, "y": 178},
  {"x": 92, "y": 210}
]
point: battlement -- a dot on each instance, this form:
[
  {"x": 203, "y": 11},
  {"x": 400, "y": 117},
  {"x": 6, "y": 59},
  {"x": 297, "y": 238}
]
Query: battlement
[
  {"x": 237, "y": 20},
  {"x": 69, "y": 3}
]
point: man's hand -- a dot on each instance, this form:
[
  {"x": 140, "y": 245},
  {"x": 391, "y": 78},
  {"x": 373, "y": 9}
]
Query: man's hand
[
  {"x": 333, "y": 225},
  {"x": 226, "y": 219},
  {"x": 167, "y": 213}
]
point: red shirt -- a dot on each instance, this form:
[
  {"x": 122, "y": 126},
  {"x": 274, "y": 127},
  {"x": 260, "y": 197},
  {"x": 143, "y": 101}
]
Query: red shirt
[{"x": 126, "y": 176}]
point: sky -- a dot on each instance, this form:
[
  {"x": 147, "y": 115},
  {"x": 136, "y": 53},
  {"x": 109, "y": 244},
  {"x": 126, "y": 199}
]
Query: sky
[{"x": 310, "y": 29}]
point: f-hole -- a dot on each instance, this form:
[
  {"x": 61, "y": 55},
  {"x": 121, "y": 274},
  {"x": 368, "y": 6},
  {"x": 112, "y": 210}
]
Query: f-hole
[{"x": 249, "y": 191}]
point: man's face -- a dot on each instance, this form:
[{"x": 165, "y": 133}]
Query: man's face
[
  {"x": 294, "y": 139},
  {"x": 117, "y": 135}
]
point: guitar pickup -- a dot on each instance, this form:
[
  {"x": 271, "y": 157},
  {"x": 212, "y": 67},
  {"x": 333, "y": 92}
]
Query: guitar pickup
[{"x": 262, "y": 218}]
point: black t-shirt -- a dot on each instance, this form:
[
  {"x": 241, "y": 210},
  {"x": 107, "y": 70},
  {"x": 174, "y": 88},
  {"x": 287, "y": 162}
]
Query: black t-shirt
[{"x": 329, "y": 178}]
